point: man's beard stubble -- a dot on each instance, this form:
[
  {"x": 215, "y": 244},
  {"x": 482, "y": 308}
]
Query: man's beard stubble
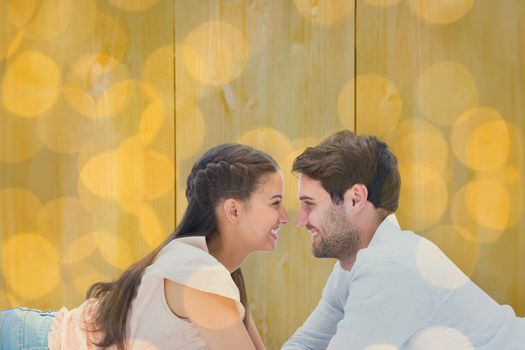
[{"x": 338, "y": 238}]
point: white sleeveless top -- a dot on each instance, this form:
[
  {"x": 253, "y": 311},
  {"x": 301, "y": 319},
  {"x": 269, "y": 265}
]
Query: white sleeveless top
[
  {"x": 186, "y": 261},
  {"x": 151, "y": 323}
]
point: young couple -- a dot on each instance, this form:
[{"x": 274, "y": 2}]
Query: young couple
[{"x": 390, "y": 289}]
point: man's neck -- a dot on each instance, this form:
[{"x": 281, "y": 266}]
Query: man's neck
[{"x": 347, "y": 263}]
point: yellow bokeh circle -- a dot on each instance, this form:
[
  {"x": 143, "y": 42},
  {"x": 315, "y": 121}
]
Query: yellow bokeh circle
[
  {"x": 482, "y": 210},
  {"x": 451, "y": 239},
  {"x": 131, "y": 174},
  {"x": 440, "y": 12},
  {"x": 378, "y": 104},
  {"x": 488, "y": 202},
  {"x": 97, "y": 86},
  {"x": 31, "y": 85},
  {"x": 38, "y": 19},
  {"x": 418, "y": 141},
  {"x": 113, "y": 249},
  {"x": 480, "y": 139},
  {"x": 80, "y": 249},
  {"x": 268, "y": 140},
  {"x": 143, "y": 174},
  {"x": 134, "y": 5},
  {"x": 102, "y": 183},
  {"x": 30, "y": 265},
  {"x": 215, "y": 52},
  {"x": 446, "y": 90},
  {"x": 327, "y": 12},
  {"x": 423, "y": 197}
]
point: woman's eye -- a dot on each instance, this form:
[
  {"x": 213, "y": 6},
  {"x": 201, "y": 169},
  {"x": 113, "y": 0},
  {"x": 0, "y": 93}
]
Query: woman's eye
[{"x": 276, "y": 204}]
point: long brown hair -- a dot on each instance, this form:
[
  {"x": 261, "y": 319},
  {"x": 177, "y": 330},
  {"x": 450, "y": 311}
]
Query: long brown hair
[{"x": 225, "y": 171}]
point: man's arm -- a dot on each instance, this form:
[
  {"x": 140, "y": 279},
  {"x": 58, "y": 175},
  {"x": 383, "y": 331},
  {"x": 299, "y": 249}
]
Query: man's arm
[
  {"x": 321, "y": 325},
  {"x": 387, "y": 304}
]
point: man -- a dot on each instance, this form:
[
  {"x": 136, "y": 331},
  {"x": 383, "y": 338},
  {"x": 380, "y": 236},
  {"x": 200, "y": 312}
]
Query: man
[{"x": 390, "y": 289}]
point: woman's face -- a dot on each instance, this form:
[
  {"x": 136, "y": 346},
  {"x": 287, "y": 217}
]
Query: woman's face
[{"x": 264, "y": 213}]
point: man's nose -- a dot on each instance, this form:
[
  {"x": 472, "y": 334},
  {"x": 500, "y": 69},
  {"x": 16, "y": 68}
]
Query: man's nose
[{"x": 302, "y": 218}]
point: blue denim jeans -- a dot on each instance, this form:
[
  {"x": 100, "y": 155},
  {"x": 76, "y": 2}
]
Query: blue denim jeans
[{"x": 24, "y": 329}]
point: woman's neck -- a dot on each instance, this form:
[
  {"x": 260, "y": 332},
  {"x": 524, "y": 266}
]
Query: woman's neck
[{"x": 230, "y": 254}]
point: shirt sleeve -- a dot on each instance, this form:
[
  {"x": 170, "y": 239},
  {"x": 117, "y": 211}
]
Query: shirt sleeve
[
  {"x": 321, "y": 325},
  {"x": 387, "y": 303}
]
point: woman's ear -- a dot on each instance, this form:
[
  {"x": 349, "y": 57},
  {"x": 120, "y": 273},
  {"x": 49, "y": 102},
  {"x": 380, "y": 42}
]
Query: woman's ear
[{"x": 231, "y": 209}]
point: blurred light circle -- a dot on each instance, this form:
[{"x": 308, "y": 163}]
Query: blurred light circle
[
  {"x": 37, "y": 270},
  {"x": 446, "y": 90},
  {"x": 378, "y": 104},
  {"x": 38, "y": 19},
  {"x": 480, "y": 139},
  {"x": 440, "y": 12},
  {"x": 215, "y": 52},
  {"x": 31, "y": 85},
  {"x": 418, "y": 141},
  {"x": 97, "y": 86}
]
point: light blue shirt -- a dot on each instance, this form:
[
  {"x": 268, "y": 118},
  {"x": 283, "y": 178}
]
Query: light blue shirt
[{"x": 404, "y": 293}]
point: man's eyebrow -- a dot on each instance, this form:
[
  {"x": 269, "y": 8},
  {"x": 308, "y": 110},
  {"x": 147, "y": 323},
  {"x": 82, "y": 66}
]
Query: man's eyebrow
[{"x": 302, "y": 198}]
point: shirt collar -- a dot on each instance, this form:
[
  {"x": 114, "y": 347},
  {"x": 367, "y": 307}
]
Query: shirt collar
[{"x": 389, "y": 224}]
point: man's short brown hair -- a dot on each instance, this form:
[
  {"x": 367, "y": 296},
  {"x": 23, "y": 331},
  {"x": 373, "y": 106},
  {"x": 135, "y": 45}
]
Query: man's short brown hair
[{"x": 345, "y": 159}]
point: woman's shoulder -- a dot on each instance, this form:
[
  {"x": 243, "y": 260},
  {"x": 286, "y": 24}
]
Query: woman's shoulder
[{"x": 187, "y": 261}]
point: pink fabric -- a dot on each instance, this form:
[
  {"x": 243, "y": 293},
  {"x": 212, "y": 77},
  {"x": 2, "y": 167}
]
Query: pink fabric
[
  {"x": 151, "y": 324},
  {"x": 69, "y": 328}
]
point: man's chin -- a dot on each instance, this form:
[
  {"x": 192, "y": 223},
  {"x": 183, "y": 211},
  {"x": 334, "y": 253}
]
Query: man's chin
[{"x": 319, "y": 253}]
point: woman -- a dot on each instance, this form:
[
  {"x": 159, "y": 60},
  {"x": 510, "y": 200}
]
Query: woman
[{"x": 188, "y": 293}]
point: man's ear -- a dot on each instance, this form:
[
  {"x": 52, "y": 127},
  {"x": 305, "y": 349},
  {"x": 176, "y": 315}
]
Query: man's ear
[
  {"x": 356, "y": 197},
  {"x": 231, "y": 209}
]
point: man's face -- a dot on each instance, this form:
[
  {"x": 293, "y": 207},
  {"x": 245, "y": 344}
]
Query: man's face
[{"x": 333, "y": 235}]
